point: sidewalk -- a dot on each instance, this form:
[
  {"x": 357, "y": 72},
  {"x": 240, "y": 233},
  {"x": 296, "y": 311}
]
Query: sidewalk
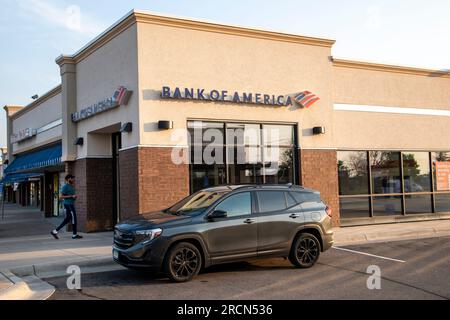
[
  {"x": 28, "y": 252},
  {"x": 391, "y": 232}
]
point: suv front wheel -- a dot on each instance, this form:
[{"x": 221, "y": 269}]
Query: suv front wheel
[
  {"x": 305, "y": 251},
  {"x": 183, "y": 262}
]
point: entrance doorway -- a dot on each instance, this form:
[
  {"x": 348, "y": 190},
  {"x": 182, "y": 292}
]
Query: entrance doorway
[{"x": 116, "y": 146}]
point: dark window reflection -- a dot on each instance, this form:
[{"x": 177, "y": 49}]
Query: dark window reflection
[
  {"x": 418, "y": 204},
  {"x": 353, "y": 172},
  {"x": 354, "y": 208},
  {"x": 387, "y": 206},
  {"x": 385, "y": 168},
  {"x": 270, "y": 201},
  {"x": 416, "y": 172},
  {"x": 442, "y": 202},
  {"x": 245, "y": 165},
  {"x": 279, "y": 165}
]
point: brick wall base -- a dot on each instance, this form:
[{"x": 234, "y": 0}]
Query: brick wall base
[
  {"x": 94, "y": 187},
  {"x": 319, "y": 171},
  {"x": 150, "y": 181}
]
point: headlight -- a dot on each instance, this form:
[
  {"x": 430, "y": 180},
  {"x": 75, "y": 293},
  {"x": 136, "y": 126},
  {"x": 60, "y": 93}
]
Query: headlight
[{"x": 146, "y": 236}]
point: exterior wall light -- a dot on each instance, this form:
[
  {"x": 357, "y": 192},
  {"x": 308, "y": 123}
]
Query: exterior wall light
[
  {"x": 79, "y": 141},
  {"x": 318, "y": 130},
  {"x": 127, "y": 127},
  {"x": 165, "y": 125}
]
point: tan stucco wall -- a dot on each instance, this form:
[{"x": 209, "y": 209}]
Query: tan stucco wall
[
  {"x": 98, "y": 76},
  {"x": 37, "y": 117},
  {"x": 364, "y": 130},
  {"x": 199, "y": 59}
]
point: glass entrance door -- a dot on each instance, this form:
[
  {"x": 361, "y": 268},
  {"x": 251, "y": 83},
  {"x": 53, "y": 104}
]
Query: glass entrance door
[{"x": 55, "y": 195}]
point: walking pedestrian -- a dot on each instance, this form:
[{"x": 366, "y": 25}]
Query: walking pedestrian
[{"x": 68, "y": 196}]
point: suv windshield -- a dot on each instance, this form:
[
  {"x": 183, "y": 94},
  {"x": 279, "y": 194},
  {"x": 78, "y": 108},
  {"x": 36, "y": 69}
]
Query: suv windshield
[{"x": 197, "y": 202}]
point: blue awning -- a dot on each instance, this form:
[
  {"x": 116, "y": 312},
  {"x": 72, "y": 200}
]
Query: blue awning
[
  {"x": 46, "y": 157},
  {"x": 18, "y": 177}
]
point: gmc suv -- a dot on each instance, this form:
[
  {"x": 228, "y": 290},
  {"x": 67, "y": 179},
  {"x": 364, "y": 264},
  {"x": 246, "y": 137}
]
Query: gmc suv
[{"x": 227, "y": 224}]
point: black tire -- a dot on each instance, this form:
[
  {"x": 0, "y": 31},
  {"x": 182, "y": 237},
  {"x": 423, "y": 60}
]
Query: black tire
[
  {"x": 183, "y": 262},
  {"x": 305, "y": 251}
]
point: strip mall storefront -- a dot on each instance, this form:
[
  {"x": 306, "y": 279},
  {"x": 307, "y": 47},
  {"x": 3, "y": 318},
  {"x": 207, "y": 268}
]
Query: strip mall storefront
[
  {"x": 158, "y": 107},
  {"x": 34, "y": 173}
]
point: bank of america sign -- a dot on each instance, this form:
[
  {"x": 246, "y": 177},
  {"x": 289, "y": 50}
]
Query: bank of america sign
[
  {"x": 120, "y": 97},
  {"x": 304, "y": 99}
]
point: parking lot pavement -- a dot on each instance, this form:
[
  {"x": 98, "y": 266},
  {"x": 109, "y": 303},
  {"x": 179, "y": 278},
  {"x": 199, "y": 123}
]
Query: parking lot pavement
[{"x": 414, "y": 269}]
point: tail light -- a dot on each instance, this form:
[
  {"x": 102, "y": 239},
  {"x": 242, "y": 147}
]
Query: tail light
[{"x": 329, "y": 211}]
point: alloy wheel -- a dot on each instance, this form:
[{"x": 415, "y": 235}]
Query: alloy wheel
[{"x": 184, "y": 263}]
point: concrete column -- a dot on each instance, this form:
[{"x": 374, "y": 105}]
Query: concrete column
[
  {"x": 10, "y": 110},
  {"x": 69, "y": 106}
]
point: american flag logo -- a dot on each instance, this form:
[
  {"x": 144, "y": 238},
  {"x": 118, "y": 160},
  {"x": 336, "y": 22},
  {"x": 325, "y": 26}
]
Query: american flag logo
[
  {"x": 306, "y": 99},
  {"x": 121, "y": 95}
]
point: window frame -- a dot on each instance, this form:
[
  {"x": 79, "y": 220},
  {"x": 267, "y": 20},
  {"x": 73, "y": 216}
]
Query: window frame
[
  {"x": 403, "y": 194},
  {"x": 262, "y": 146}
]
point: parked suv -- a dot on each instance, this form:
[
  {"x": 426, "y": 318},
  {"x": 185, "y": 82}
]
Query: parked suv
[{"x": 227, "y": 224}]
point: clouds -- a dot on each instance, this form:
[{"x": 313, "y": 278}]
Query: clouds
[{"x": 70, "y": 17}]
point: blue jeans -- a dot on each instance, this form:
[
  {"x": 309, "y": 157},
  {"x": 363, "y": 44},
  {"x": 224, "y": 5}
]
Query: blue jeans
[{"x": 71, "y": 216}]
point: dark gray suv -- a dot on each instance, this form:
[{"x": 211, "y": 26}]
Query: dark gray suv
[{"x": 227, "y": 224}]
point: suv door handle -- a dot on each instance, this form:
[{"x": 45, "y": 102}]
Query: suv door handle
[
  {"x": 249, "y": 221},
  {"x": 294, "y": 216}
]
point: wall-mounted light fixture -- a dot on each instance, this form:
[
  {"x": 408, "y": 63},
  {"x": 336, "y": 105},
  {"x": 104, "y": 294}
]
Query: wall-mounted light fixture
[
  {"x": 127, "y": 127},
  {"x": 79, "y": 141},
  {"x": 165, "y": 125},
  {"x": 318, "y": 130}
]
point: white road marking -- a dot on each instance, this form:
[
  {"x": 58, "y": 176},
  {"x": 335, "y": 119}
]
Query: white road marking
[{"x": 368, "y": 254}]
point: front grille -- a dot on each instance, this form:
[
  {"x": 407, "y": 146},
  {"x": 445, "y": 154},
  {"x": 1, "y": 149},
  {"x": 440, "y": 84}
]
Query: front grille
[{"x": 123, "y": 239}]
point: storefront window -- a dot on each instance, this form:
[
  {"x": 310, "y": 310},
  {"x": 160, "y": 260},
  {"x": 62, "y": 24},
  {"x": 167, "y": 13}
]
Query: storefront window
[
  {"x": 278, "y": 135},
  {"x": 416, "y": 172},
  {"x": 442, "y": 202},
  {"x": 278, "y": 165},
  {"x": 245, "y": 165},
  {"x": 239, "y": 153},
  {"x": 418, "y": 204},
  {"x": 353, "y": 172},
  {"x": 385, "y": 167},
  {"x": 400, "y": 183},
  {"x": 354, "y": 208},
  {"x": 387, "y": 206}
]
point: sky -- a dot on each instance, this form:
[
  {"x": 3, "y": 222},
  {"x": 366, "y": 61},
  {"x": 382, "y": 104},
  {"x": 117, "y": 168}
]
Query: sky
[{"x": 35, "y": 32}]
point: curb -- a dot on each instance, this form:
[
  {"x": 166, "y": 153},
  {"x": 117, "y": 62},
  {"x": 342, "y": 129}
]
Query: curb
[
  {"x": 58, "y": 269},
  {"x": 27, "y": 283},
  {"x": 29, "y": 288}
]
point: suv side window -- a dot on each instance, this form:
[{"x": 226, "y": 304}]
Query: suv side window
[
  {"x": 302, "y": 197},
  {"x": 237, "y": 205},
  {"x": 290, "y": 200},
  {"x": 270, "y": 201}
]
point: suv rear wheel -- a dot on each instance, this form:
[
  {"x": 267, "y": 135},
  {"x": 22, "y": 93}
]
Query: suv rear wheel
[
  {"x": 305, "y": 251},
  {"x": 183, "y": 262}
]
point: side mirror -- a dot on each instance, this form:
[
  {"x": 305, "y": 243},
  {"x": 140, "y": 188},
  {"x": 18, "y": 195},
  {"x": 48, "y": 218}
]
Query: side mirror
[{"x": 217, "y": 214}]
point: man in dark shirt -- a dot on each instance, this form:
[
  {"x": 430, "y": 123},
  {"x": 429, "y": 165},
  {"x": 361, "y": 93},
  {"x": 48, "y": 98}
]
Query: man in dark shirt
[{"x": 68, "y": 196}]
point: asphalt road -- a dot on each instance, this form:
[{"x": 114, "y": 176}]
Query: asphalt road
[{"x": 339, "y": 274}]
